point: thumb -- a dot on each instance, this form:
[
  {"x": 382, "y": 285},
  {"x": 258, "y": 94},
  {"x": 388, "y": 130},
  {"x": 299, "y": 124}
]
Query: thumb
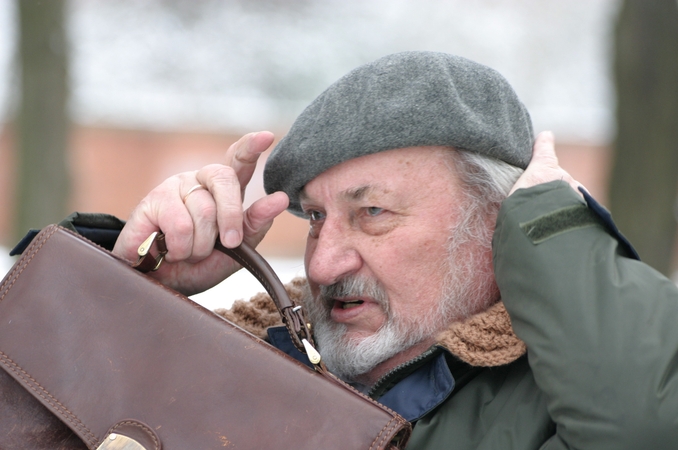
[
  {"x": 259, "y": 217},
  {"x": 543, "y": 166},
  {"x": 544, "y": 151}
]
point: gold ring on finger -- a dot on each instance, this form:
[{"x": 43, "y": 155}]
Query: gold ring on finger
[{"x": 192, "y": 190}]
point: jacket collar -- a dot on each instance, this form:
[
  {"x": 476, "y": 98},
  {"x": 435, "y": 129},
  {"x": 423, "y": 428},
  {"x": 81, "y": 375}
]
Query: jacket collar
[{"x": 412, "y": 389}]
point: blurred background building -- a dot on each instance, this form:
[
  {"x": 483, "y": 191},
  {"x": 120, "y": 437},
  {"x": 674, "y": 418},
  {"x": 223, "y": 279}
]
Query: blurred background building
[{"x": 156, "y": 87}]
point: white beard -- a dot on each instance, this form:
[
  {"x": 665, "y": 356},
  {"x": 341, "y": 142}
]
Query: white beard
[
  {"x": 468, "y": 288},
  {"x": 349, "y": 357}
]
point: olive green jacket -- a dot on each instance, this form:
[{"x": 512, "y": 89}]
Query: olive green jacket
[{"x": 601, "y": 331}]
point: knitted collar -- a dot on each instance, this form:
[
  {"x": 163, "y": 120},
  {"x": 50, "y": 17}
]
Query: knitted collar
[{"x": 485, "y": 339}]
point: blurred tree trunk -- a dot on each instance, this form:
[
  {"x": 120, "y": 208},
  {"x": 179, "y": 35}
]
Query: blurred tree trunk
[
  {"x": 43, "y": 125},
  {"x": 645, "y": 172}
]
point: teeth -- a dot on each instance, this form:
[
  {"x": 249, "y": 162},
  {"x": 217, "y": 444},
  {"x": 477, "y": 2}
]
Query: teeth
[{"x": 349, "y": 305}]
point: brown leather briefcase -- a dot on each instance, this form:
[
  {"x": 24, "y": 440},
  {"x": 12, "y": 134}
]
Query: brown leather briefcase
[{"x": 98, "y": 355}]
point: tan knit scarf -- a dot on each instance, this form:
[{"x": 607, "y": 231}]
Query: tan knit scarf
[{"x": 485, "y": 339}]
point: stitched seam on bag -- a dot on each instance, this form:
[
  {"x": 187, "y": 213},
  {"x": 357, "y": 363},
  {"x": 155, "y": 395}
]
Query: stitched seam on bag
[
  {"x": 395, "y": 415},
  {"x": 387, "y": 430},
  {"x": 372, "y": 446},
  {"x": 34, "y": 248},
  {"x": 387, "y": 436},
  {"x": 139, "y": 425},
  {"x": 345, "y": 385},
  {"x": 396, "y": 419},
  {"x": 45, "y": 395}
]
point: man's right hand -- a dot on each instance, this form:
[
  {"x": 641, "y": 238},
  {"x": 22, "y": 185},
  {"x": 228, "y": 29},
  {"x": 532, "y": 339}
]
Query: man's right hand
[{"x": 193, "y": 221}]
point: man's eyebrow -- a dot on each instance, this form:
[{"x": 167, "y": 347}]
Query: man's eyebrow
[
  {"x": 357, "y": 193},
  {"x": 352, "y": 194}
]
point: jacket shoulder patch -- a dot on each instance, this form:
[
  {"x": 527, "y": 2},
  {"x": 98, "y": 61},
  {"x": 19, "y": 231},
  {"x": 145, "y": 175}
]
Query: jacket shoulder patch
[{"x": 558, "y": 222}]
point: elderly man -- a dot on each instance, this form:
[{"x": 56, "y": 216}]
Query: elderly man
[{"x": 428, "y": 246}]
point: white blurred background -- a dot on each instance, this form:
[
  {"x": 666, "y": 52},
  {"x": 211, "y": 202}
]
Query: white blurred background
[{"x": 229, "y": 67}]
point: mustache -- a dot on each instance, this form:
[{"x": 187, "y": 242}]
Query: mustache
[{"x": 354, "y": 286}]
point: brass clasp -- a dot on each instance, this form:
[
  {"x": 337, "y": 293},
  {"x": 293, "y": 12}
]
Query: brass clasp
[
  {"x": 159, "y": 239},
  {"x": 311, "y": 352},
  {"x": 120, "y": 442}
]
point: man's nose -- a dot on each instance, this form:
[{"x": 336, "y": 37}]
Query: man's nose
[{"x": 332, "y": 255}]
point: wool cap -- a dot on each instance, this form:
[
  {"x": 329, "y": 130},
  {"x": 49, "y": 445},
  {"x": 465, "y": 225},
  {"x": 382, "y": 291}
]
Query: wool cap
[{"x": 408, "y": 99}]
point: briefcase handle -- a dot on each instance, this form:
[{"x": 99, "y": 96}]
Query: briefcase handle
[{"x": 291, "y": 313}]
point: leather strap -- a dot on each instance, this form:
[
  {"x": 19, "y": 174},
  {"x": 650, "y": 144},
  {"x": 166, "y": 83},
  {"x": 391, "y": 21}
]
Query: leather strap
[
  {"x": 291, "y": 313},
  {"x": 147, "y": 263}
]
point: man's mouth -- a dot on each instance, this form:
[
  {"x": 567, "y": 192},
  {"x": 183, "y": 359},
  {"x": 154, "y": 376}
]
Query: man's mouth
[{"x": 348, "y": 304}]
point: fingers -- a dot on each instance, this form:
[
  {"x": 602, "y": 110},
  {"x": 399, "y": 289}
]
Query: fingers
[
  {"x": 259, "y": 217},
  {"x": 225, "y": 189},
  {"x": 544, "y": 150},
  {"x": 543, "y": 166},
  {"x": 198, "y": 238},
  {"x": 193, "y": 208},
  {"x": 227, "y": 185},
  {"x": 162, "y": 209},
  {"x": 243, "y": 155},
  {"x": 232, "y": 223}
]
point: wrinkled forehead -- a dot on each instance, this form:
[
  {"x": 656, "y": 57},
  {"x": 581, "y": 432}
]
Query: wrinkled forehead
[
  {"x": 392, "y": 173},
  {"x": 411, "y": 99},
  {"x": 395, "y": 179}
]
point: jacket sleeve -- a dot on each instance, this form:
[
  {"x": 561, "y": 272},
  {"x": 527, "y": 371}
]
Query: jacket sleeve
[
  {"x": 601, "y": 328},
  {"x": 102, "y": 229}
]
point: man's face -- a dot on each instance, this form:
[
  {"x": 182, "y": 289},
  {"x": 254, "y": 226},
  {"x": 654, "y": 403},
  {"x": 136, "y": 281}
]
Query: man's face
[{"x": 378, "y": 249}]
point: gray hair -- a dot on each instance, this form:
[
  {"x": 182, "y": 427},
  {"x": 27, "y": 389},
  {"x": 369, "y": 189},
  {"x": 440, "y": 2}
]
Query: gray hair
[
  {"x": 486, "y": 179},
  {"x": 485, "y": 182}
]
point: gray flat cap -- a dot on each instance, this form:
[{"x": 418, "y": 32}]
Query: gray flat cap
[{"x": 408, "y": 99}]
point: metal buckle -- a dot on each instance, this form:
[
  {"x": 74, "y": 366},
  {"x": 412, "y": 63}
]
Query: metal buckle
[
  {"x": 311, "y": 352},
  {"x": 145, "y": 247},
  {"x": 116, "y": 441}
]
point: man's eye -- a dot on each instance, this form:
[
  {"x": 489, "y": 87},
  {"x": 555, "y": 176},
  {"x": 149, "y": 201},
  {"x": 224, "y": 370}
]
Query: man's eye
[
  {"x": 315, "y": 215},
  {"x": 373, "y": 211},
  {"x": 316, "y": 222}
]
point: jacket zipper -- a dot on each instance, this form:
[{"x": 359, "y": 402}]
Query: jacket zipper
[{"x": 391, "y": 374}]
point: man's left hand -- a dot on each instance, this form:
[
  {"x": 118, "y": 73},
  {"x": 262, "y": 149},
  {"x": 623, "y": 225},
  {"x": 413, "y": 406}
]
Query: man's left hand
[{"x": 544, "y": 166}]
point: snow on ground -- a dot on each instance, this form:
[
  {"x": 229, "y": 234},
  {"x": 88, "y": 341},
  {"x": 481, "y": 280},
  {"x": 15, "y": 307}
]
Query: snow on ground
[
  {"x": 241, "y": 285},
  {"x": 6, "y": 261}
]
